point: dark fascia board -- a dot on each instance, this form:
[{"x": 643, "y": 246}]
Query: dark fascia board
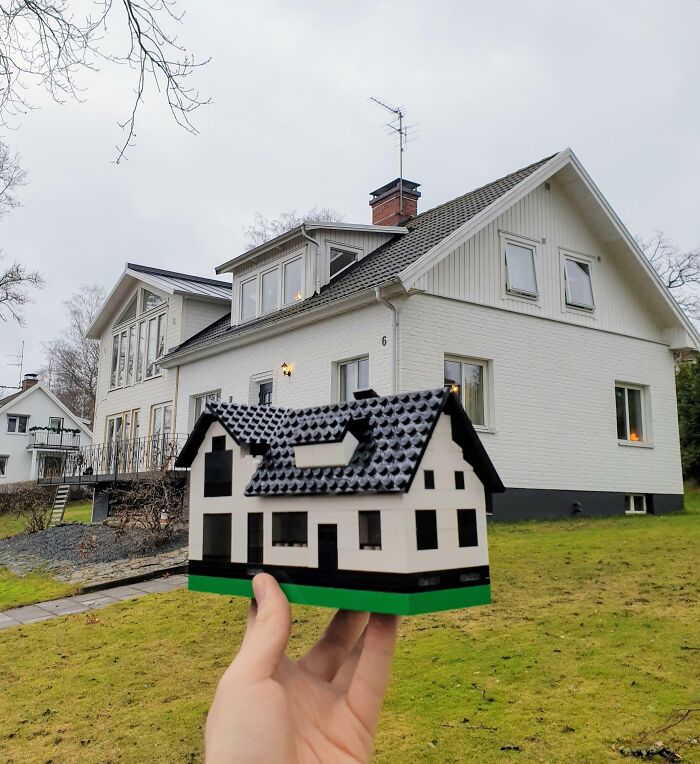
[{"x": 177, "y": 275}]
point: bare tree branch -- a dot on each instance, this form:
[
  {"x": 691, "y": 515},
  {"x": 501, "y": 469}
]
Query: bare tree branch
[
  {"x": 15, "y": 281},
  {"x": 263, "y": 229},
  {"x": 42, "y": 43},
  {"x": 12, "y": 176}
]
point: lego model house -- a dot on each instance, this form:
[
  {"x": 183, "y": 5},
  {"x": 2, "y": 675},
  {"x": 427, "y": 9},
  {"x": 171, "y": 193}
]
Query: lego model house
[{"x": 373, "y": 504}]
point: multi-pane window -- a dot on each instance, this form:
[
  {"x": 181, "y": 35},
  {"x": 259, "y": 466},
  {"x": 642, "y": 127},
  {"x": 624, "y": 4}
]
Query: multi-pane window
[
  {"x": 629, "y": 406},
  {"x": 370, "y": 530},
  {"x": 200, "y": 402},
  {"x": 249, "y": 299},
  {"x": 577, "y": 282},
  {"x": 265, "y": 393},
  {"x": 467, "y": 379},
  {"x": 17, "y": 423},
  {"x": 3, "y": 465},
  {"x": 466, "y": 527},
  {"x": 161, "y": 420},
  {"x": 352, "y": 375},
  {"x": 268, "y": 290},
  {"x": 292, "y": 281},
  {"x": 55, "y": 423},
  {"x": 290, "y": 529},
  {"x": 426, "y": 529},
  {"x": 150, "y": 301},
  {"x": 521, "y": 277},
  {"x": 341, "y": 259}
]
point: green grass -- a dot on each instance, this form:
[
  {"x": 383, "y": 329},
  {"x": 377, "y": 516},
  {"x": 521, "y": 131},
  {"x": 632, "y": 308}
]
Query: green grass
[
  {"x": 16, "y": 591},
  {"x": 591, "y": 643},
  {"x": 76, "y": 512}
]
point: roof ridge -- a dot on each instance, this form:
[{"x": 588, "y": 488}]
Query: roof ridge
[{"x": 177, "y": 274}]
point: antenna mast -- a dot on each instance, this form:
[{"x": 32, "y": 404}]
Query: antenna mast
[{"x": 397, "y": 126}]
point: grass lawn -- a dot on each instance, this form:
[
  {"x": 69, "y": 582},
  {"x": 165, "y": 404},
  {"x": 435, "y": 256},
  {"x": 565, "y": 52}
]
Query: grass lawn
[
  {"x": 76, "y": 512},
  {"x": 592, "y": 642}
]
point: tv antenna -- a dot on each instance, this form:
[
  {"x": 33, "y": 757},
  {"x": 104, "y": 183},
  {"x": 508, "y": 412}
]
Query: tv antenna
[
  {"x": 401, "y": 130},
  {"x": 19, "y": 359}
]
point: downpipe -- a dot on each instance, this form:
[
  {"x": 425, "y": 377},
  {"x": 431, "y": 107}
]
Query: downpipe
[{"x": 394, "y": 339}]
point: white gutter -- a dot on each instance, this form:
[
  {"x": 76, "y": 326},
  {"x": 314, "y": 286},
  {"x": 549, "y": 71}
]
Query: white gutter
[
  {"x": 394, "y": 340},
  {"x": 317, "y": 270}
]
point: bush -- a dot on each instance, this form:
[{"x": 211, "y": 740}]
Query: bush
[
  {"x": 688, "y": 392},
  {"x": 30, "y": 501}
]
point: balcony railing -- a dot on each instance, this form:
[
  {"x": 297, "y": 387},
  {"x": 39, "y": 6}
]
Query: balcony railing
[
  {"x": 110, "y": 461},
  {"x": 53, "y": 439}
]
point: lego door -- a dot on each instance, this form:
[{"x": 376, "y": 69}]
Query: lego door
[
  {"x": 328, "y": 547},
  {"x": 255, "y": 537}
]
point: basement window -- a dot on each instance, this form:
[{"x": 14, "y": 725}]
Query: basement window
[
  {"x": 290, "y": 529},
  {"x": 636, "y": 504}
]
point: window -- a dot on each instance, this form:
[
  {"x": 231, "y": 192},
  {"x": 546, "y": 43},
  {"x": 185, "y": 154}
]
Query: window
[
  {"x": 459, "y": 480},
  {"x": 629, "y": 405},
  {"x": 340, "y": 260},
  {"x": 521, "y": 278},
  {"x": 265, "y": 393},
  {"x": 429, "y": 479},
  {"x": 216, "y": 537},
  {"x": 249, "y": 306},
  {"x": 128, "y": 313},
  {"x": 200, "y": 402},
  {"x": 636, "y": 504},
  {"x": 370, "y": 530},
  {"x": 155, "y": 347},
  {"x": 577, "y": 280},
  {"x": 467, "y": 379},
  {"x": 290, "y": 529},
  {"x": 292, "y": 281},
  {"x": 426, "y": 529},
  {"x": 161, "y": 420},
  {"x": 140, "y": 350},
  {"x": 218, "y": 469},
  {"x": 353, "y": 375},
  {"x": 3, "y": 465},
  {"x": 466, "y": 527},
  {"x": 268, "y": 291},
  {"x": 149, "y": 300},
  {"x": 115, "y": 361},
  {"x": 55, "y": 423},
  {"x": 135, "y": 351},
  {"x": 17, "y": 423}
]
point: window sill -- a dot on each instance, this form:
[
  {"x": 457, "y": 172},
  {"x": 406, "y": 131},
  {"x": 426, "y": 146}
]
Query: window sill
[
  {"x": 632, "y": 512},
  {"x": 628, "y": 444},
  {"x": 484, "y": 428}
]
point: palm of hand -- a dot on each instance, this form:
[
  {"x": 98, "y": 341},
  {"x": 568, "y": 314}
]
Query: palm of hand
[{"x": 322, "y": 708}]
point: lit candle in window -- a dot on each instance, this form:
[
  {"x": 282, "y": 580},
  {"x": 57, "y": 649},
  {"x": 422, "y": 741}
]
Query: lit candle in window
[
  {"x": 634, "y": 436},
  {"x": 297, "y": 296}
]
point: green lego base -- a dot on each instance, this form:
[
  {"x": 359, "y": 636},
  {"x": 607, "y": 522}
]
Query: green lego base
[{"x": 355, "y": 599}]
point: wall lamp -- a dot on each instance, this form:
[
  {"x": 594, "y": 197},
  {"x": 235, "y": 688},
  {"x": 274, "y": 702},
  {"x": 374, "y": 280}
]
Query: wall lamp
[{"x": 286, "y": 369}]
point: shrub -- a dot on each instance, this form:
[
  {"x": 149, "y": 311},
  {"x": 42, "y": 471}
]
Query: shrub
[
  {"x": 688, "y": 392},
  {"x": 29, "y": 501}
]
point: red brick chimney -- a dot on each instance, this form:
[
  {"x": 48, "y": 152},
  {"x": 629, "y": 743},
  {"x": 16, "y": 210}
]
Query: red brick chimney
[
  {"x": 29, "y": 381},
  {"x": 395, "y": 203}
]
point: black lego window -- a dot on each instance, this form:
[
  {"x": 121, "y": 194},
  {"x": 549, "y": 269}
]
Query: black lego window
[
  {"x": 370, "y": 530},
  {"x": 459, "y": 480},
  {"x": 466, "y": 527},
  {"x": 426, "y": 529},
  {"x": 218, "y": 469},
  {"x": 429, "y": 478},
  {"x": 216, "y": 537},
  {"x": 290, "y": 529}
]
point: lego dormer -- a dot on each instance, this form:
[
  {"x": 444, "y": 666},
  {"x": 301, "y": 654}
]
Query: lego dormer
[{"x": 325, "y": 442}]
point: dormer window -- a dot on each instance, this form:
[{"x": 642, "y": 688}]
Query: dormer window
[
  {"x": 249, "y": 299},
  {"x": 271, "y": 289},
  {"x": 340, "y": 259},
  {"x": 292, "y": 281}
]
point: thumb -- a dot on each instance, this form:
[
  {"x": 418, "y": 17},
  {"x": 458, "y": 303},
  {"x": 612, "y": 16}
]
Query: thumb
[{"x": 268, "y": 635}]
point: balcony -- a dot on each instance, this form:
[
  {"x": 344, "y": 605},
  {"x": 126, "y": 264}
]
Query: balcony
[
  {"x": 54, "y": 439},
  {"x": 107, "y": 462}
]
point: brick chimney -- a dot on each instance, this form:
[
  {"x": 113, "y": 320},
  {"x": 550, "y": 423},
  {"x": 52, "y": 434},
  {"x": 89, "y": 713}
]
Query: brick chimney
[
  {"x": 387, "y": 202},
  {"x": 29, "y": 381}
]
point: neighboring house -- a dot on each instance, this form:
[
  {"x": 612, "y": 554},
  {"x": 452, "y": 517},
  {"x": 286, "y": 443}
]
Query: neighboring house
[
  {"x": 527, "y": 296},
  {"x": 37, "y": 432},
  {"x": 377, "y": 503}
]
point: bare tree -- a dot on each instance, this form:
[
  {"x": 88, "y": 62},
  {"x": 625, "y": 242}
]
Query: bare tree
[
  {"x": 264, "y": 229},
  {"x": 12, "y": 176},
  {"x": 43, "y": 42},
  {"x": 680, "y": 271},
  {"x": 72, "y": 359},
  {"x": 15, "y": 281}
]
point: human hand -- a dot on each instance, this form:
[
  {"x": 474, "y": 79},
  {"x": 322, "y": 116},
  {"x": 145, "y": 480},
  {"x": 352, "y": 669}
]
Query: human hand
[{"x": 269, "y": 709}]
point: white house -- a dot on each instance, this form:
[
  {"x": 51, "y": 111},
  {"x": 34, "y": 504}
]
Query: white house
[
  {"x": 37, "y": 432},
  {"x": 378, "y": 503},
  {"x": 527, "y": 296}
]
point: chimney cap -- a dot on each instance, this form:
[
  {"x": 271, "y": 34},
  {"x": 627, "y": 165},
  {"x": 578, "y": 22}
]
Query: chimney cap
[
  {"x": 31, "y": 376},
  {"x": 408, "y": 186}
]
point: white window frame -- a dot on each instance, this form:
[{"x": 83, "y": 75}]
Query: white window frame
[
  {"x": 646, "y": 441},
  {"x": 244, "y": 282},
  {"x": 4, "y": 459},
  {"x": 16, "y": 430},
  {"x": 142, "y": 301},
  {"x": 204, "y": 397},
  {"x": 589, "y": 260},
  {"x": 278, "y": 278},
  {"x": 341, "y": 246},
  {"x": 256, "y": 276},
  {"x": 520, "y": 241},
  {"x": 487, "y": 378},
  {"x": 629, "y": 502},
  {"x": 60, "y": 419},
  {"x": 151, "y": 418},
  {"x": 337, "y": 369},
  {"x": 283, "y": 268}
]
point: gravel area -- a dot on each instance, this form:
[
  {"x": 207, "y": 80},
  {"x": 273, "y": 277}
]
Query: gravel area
[{"x": 83, "y": 544}]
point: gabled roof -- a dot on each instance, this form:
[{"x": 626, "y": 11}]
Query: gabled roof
[
  {"x": 393, "y": 433},
  {"x": 379, "y": 268},
  {"x": 11, "y": 401},
  {"x": 169, "y": 282}
]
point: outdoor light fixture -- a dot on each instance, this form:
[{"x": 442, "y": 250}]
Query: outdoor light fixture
[{"x": 286, "y": 369}]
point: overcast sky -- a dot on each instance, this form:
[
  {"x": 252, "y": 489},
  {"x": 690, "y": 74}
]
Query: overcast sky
[{"x": 491, "y": 87}]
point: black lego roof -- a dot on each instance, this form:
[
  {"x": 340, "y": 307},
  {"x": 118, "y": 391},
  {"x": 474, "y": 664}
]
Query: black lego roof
[
  {"x": 392, "y": 431},
  {"x": 379, "y": 267}
]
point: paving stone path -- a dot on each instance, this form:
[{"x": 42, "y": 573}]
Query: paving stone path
[{"x": 80, "y": 603}]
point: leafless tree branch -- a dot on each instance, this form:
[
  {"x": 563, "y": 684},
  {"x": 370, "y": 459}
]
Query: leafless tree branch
[
  {"x": 264, "y": 229},
  {"x": 15, "y": 281},
  {"x": 12, "y": 176}
]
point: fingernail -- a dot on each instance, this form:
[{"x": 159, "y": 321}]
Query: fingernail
[{"x": 259, "y": 588}]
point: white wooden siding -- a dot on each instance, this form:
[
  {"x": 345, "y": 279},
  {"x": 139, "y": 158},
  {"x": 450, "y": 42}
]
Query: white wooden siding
[
  {"x": 474, "y": 272},
  {"x": 198, "y": 314}
]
